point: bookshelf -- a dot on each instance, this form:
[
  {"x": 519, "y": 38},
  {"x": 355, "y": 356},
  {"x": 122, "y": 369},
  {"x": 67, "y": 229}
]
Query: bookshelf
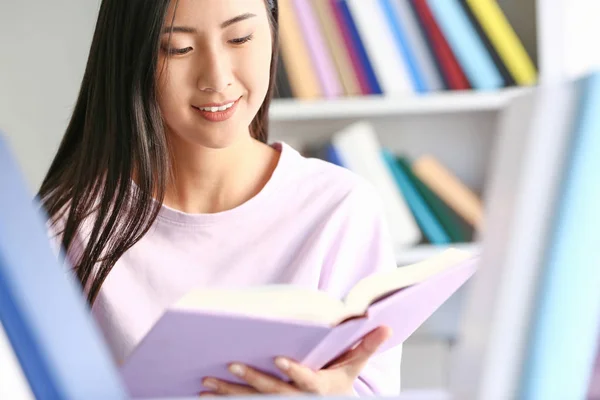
[
  {"x": 459, "y": 128},
  {"x": 283, "y": 110}
]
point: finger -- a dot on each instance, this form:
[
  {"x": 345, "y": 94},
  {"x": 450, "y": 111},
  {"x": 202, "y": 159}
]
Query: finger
[
  {"x": 220, "y": 387},
  {"x": 303, "y": 377},
  {"x": 260, "y": 381},
  {"x": 208, "y": 394},
  {"x": 355, "y": 360}
]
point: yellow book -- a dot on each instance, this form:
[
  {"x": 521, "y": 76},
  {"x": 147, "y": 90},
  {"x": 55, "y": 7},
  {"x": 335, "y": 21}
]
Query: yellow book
[
  {"x": 505, "y": 40},
  {"x": 302, "y": 76}
]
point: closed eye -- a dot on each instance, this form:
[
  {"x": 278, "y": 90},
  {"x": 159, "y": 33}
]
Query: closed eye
[
  {"x": 180, "y": 51},
  {"x": 239, "y": 41}
]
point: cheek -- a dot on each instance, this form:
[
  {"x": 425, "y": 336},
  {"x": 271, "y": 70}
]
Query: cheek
[
  {"x": 171, "y": 94},
  {"x": 255, "y": 73}
]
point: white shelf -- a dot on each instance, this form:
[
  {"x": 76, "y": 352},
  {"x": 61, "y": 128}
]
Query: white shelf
[
  {"x": 421, "y": 252},
  {"x": 373, "y": 106}
]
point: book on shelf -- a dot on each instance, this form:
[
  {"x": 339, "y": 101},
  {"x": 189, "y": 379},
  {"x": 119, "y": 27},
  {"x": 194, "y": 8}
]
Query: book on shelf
[
  {"x": 206, "y": 330},
  {"x": 398, "y": 47},
  {"x": 426, "y": 203}
]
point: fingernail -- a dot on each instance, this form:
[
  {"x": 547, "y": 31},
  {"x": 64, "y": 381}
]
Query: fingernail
[
  {"x": 282, "y": 363},
  {"x": 237, "y": 369},
  {"x": 210, "y": 383}
]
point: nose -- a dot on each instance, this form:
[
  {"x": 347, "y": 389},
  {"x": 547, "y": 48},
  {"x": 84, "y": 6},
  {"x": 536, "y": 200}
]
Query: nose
[{"x": 214, "y": 73}]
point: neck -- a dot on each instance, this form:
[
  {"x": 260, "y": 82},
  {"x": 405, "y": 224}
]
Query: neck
[{"x": 215, "y": 180}]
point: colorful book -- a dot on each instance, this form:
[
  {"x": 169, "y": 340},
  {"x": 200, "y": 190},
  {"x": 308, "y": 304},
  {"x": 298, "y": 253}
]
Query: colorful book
[
  {"x": 379, "y": 43},
  {"x": 457, "y": 228},
  {"x": 301, "y": 73},
  {"x": 505, "y": 40},
  {"x": 424, "y": 58},
  {"x": 320, "y": 56},
  {"x": 451, "y": 71},
  {"x": 450, "y": 189},
  {"x": 356, "y": 49},
  {"x": 205, "y": 330},
  {"x": 401, "y": 41},
  {"x": 430, "y": 226},
  {"x": 334, "y": 40},
  {"x": 466, "y": 45},
  {"x": 360, "y": 151},
  {"x": 489, "y": 46}
]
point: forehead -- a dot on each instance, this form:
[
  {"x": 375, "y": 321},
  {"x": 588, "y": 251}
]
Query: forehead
[{"x": 209, "y": 14}]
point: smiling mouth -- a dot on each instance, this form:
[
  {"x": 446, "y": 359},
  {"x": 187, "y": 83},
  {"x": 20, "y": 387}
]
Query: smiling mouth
[
  {"x": 217, "y": 112},
  {"x": 214, "y": 108}
]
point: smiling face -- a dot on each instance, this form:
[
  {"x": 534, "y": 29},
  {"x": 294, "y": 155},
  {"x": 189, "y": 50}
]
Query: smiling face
[{"x": 214, "y": 76}]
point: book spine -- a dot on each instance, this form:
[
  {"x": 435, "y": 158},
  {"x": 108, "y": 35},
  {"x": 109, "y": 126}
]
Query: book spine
[
  {"x": 398, "y": 31},
  {"x": 505, "y": 40},
  {"x": 379, "y": 44},
  {"x": 356, "y": 48},
  {"x": 360, "y": 150},
  {"x": 302, "y": 77},
  {"x": 463, "y": 40},
  {"x": 451, "y": 71},
  {"x": 416, "y": 40},
  {"x": 448, "y": 187},
  {"x": 429, "y": 224},
  {"x": 316, "y": 46},
  {"x": 335, "y": 44}
]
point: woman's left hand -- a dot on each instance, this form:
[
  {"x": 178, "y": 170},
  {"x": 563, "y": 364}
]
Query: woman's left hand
[{"x": 336, "y": 379}]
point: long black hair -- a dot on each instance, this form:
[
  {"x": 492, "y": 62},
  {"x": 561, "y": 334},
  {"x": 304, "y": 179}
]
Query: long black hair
[{"x": 116, "y": 131}]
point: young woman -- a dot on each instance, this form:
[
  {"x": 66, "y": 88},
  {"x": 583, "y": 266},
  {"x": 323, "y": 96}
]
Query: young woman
[{"x": 164, "y": 182}]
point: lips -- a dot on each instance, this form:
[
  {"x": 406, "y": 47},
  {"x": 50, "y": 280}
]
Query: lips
[{"x": 217, "y": 112}]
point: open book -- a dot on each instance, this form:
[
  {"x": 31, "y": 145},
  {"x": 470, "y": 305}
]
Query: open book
[{"x": 208, "y": 329}]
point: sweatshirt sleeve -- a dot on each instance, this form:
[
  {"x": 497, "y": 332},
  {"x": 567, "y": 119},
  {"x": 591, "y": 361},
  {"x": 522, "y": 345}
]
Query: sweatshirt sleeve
[{"x": 360, "y": 244}]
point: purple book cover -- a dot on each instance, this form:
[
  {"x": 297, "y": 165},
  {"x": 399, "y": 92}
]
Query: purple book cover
[
  {"x": 321, "y": 58},
  {"x": 186, "y": 346}
]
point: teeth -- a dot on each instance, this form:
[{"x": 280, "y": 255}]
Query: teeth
[{"x": 215, "y": 109}]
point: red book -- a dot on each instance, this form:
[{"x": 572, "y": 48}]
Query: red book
[{"x": 450, "y": 69}]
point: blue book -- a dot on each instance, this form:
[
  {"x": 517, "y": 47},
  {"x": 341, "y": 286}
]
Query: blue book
[
  {"x": 426, "y": 219},
  {"x": 332, "y": 155},
  {"x": 344, "y": 11},
  {"x": 43, "y": 312},
  {"x": 566, "y": 327},
  {"x": 466, "y": 44},
  {"x": 401, "y": 40}
]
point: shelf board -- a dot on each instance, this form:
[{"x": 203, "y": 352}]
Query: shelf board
[
  {"x": 374, "y": 106},
  {"x": 421, "y": 252}
]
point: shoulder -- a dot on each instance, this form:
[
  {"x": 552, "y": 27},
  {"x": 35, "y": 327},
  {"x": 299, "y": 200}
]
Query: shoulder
[{"x": 329, "y": 184}]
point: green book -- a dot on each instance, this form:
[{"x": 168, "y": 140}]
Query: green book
[{"x": 457, "y": 229}]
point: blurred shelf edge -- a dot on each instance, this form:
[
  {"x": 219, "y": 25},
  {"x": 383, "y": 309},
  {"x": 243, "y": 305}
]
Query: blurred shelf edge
[
  {"x": 376, "y": 106},
  {"x": 418, "y": 253}
]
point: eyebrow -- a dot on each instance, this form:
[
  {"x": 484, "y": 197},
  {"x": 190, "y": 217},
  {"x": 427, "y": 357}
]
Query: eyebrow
[{"x": 229, "y": 22}]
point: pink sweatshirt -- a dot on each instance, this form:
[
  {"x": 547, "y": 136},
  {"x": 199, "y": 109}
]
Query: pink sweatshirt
[{"x": 314, "y": 224}]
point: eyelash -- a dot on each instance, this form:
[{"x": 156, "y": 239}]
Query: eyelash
[
  {"x": 240, "y": 41},
  {"x": 237, "y": 42}
]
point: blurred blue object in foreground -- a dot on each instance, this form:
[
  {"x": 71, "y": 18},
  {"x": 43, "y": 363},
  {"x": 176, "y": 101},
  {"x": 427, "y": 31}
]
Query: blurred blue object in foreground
[{"x": 41, "y": 308}]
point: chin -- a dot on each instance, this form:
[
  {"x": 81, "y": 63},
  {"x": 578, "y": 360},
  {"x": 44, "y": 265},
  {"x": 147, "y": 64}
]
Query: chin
[{"x": 218, "y": 138}]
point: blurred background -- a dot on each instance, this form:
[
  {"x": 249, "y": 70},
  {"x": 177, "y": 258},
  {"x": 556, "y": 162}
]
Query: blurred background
[{"x": 469, "y": 110}]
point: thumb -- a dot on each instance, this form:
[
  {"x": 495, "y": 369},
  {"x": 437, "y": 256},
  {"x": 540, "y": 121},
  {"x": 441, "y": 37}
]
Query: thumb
[{"x": 358, "y": 357}]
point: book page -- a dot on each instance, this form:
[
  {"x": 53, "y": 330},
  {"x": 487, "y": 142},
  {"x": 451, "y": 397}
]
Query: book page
[
  {"x": 371, "y": 288},
  {"x": 273, "y": 301}
]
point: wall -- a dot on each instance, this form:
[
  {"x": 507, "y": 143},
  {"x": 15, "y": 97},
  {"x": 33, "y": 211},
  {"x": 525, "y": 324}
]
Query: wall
[{"x": 43, "y": 52}]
